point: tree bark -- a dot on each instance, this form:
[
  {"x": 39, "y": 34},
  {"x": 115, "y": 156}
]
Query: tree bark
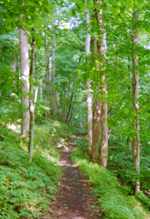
[
  {"x": 69, "y": 107},
  {"x": 31, "y": 102},
  {"x": 55, "y": 96},
  {"x": 51, "y": 94},
  {"x": 25, "y": 82},
  {"x": 135, "y": 101},
  {"x": 89, "y": 82},
  {"x": 96, "y": 129},
  {"x": 90, "y": 112},
  {"x": 102, "y": 70},
  {"x": 88, "y": 36},
  {"x": 104, "y": 125},
  {"x": 96, "y": 117}
]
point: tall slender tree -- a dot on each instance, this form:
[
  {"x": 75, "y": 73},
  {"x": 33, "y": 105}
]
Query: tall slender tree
[
  {"x": 103, "y": 87},
  {"x": 32, "y": 99},
  {"x": 50, "y": 57},
  {"x": 89, "y": 81},
  {"x": 25, "y": 72},
  {"x": 96, "y": 101},
  {"x": 135, "y": 99}
]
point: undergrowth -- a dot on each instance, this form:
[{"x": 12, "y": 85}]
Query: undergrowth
[
  {"x": 120, "y": 162},
  {"x": 113, "y": 199},
  {"x": 26, "y": 188}
]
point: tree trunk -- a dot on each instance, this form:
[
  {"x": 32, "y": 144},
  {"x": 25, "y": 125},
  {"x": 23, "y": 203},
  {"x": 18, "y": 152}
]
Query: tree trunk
[
  {"x": 104, "y": 125},
  {"x": 102, "y": 70},
  {"x": 32, "y": 102},
  {"x": 69, "y": 107},
  {"x": 88, "y": 36},
  {"x": 90, "y": 112},
  {"x": 52, "y": 96},
  {"x": 25, "y": 82},
  {"x": 135, "y": 100},
  {"x": 89, "y": 82},
  {"x": 96, "y": 129}
]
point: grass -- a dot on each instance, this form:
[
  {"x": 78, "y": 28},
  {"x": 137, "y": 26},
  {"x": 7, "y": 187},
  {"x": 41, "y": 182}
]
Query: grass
[
  {"x": 112, "y": 198},
  {"x": 27, "y": 188}
]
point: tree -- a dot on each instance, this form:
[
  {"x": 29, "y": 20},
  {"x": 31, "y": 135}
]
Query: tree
[
  {"x": 25, "y": 71},
  {"x": 89, "y": 81},
  {"x": 135, "y": 99},
  {"x": 32, "y": 99},
  {"x": 102, "y": 70}
]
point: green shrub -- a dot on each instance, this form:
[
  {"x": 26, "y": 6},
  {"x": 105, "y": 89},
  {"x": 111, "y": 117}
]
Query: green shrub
[
  {"x": 144, "y": 199},
  {"x": 26, "y": 188},
  {"x": 113, "y": 198}
]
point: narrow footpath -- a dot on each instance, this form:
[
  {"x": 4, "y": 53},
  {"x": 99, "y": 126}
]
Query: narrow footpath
[{"x": 74, "y": 199}]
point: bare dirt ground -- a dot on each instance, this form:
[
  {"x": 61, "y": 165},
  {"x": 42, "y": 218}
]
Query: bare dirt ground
[{"x": 73, "y": 199}]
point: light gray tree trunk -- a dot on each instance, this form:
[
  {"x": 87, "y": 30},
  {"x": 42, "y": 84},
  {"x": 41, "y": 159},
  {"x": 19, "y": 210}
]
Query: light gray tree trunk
[
  {"x": 55, "y": 95},
  {"x": 135, "y": 100},
  {"x": 89, "y": 82},
  {"x": 24, "y": 47},
  {"x": 52, "y": 95},
  {"x": 90, "y": 112},
  {"x": 104, "y": 125}
]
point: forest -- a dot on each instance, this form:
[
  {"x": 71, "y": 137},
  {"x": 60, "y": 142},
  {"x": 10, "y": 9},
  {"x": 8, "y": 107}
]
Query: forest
[{"x": 74, "y": 109}]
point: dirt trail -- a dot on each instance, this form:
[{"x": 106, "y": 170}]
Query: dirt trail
[{"x": 74, "y": 199}]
